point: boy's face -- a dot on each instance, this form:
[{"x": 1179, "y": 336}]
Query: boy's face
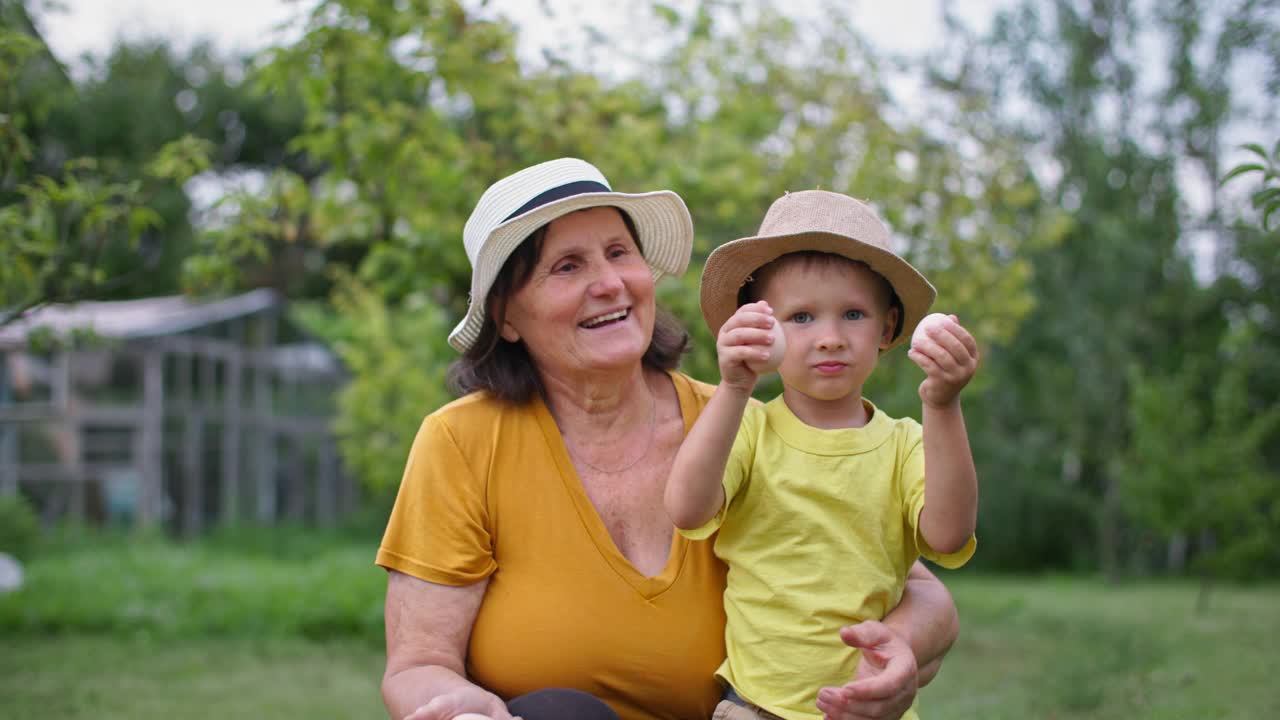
[{"x": 836, "y": 318}]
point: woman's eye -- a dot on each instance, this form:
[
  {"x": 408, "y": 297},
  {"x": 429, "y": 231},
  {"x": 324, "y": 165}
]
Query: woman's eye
[
  {"x": 854, "y": 315},
  {"x": 564, "y": 267},
  {"x": 618, "y": 251},
  {"x": 801, "y": 317}
]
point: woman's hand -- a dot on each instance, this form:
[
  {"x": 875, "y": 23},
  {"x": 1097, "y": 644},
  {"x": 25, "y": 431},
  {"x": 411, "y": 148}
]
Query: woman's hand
[
  {"x": 885, "y": 683},
  {"x": 467, "y": 702},
  {"x": 749, "y": 345}
]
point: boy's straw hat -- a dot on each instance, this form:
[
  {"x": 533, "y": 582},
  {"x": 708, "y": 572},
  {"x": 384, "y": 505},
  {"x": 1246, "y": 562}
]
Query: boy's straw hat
[
  {"x": 814, "y": 220},
  {"x": 515, "y": 206}
]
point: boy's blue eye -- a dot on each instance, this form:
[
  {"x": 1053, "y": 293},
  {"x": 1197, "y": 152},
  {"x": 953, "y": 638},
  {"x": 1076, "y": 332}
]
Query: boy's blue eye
[
  {"x": 854, "y": 315},
  {"x": 801, "y": 318}
]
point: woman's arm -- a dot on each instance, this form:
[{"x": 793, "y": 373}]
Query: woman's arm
[
  {"x": 428, "y": 628},
  {"x": 927, "y": 619},
  {"x": 899, "y": 655}
]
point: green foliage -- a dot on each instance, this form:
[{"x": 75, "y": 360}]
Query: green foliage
[
  {"x": 136, "y": 107},
  {"x": 60, "y": 230},
  {"x": 57, "y": 231},
  {"x": 144, "y": 94},
  {"x": 268, "y": 224},
  {"x": 1116, "y": 289},
  {"x": 125, "y": 586},
  {"x": 19, "y": 526},
  {"x": 398, "y": 358},
  {"x": 82, "y": 225},
  {"x": 15, "y": 148},
  {"x": 120, "y": 140},
  {"x": 182, "y": 159},
  {"x": 1266, "y": 199},
  {"x": 1195, "y": 466}
]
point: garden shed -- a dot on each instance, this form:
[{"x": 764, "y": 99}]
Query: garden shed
[{"x": 170, "y": 412}]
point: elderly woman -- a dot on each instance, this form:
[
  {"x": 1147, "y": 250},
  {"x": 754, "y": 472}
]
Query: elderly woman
[{"x": 532, "y": 570}]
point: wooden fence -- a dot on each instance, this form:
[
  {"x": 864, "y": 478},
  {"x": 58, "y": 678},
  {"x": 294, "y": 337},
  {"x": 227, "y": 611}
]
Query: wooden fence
[{"x": 216, "y": 433}]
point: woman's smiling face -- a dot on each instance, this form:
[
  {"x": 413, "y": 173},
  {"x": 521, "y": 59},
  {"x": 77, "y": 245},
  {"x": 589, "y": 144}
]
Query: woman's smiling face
[{"x": 588, "y": 304}]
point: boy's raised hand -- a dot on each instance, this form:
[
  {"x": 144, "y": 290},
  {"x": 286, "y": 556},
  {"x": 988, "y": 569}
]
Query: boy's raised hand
[
  {"x": 947, "y": 353},
  {"x": 749, "y": 345}
]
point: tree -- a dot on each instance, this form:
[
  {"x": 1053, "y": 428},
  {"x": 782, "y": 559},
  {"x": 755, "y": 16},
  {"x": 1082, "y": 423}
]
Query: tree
[
  {"x": 1120, "y": 289},
  {"x": 145, "y": 94},
  {"x": 413, "y": 109},
  {"x": 1195, "y": 468},
  {"x": 92, "y": 173},
  {"x": 55, "y": 229}
]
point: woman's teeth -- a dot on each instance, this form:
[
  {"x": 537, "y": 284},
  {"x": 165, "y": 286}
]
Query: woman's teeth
[{"x": 602, "y": 319}]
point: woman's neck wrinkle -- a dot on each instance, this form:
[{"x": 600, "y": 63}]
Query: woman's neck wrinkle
[{"x": 597, "y": 403}]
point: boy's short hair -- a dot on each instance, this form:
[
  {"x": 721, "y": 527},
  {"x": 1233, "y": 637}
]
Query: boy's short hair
[{"x": 752, "y": 290}]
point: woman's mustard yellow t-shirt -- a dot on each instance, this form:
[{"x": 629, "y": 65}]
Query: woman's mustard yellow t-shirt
[{"x": 489, "y": 491}]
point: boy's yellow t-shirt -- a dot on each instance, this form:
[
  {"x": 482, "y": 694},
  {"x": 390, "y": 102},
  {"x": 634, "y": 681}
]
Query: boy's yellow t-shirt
[
  {"x": 489, "y": 491},
  {"x": 819, "y": 529}
]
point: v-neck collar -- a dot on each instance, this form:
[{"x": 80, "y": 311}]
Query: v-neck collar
[{"x": 647, "y": 587}]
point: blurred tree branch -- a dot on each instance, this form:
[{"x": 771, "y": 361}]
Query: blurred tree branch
[{"x": 1266, "y": 199}]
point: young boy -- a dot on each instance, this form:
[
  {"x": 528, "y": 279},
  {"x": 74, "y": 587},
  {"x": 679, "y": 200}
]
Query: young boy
[{"x": 822, "y": 502}]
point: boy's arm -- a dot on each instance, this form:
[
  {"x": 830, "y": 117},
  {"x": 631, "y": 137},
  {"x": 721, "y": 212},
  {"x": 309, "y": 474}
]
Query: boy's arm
[
  {"x": 746, "y": 347},
  {"x": 950, "y": 512},
  {"x": 695, "y": 492},
  {"x": 949, "y": 356}
]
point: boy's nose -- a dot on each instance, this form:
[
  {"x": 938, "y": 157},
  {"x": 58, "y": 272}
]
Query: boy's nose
[{"x": 830, "y": 341}]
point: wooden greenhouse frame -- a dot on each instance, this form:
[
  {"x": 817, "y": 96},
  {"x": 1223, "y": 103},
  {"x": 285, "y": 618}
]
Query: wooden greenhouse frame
[{"x": 167, "y": 412}]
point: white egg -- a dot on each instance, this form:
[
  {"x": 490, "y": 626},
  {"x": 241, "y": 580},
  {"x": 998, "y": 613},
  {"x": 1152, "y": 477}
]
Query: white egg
[
  {"x": 929, "y": 321},
  {"x": 776, "y": 351},
  {"x": 471, "y": 716}
]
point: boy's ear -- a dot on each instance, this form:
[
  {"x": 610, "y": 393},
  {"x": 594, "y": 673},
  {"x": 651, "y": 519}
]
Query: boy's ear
[{"x": 890, "y": 325}]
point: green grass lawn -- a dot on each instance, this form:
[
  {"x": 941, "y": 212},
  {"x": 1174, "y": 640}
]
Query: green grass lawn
[
  {"x": 1077, "y": 648},
  {"x": 286, "y": 625},
  {"x": 140, "y": 678}
]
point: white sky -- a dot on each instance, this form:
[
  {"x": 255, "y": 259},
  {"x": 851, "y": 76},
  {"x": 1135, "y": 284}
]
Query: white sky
[{"x": 93, "y": 25}]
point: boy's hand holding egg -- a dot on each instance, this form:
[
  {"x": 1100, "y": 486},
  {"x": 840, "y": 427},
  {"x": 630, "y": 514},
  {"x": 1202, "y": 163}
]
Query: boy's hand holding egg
[
  {"x": 750, "y": 344},
  {"x": 774, "y": 352},
  {"x": 948, "y": 355}
]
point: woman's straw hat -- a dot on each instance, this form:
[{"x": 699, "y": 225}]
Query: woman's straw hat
[
  {"x": 517, "y": 205},
  {"x": 814, "y": 220}
]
